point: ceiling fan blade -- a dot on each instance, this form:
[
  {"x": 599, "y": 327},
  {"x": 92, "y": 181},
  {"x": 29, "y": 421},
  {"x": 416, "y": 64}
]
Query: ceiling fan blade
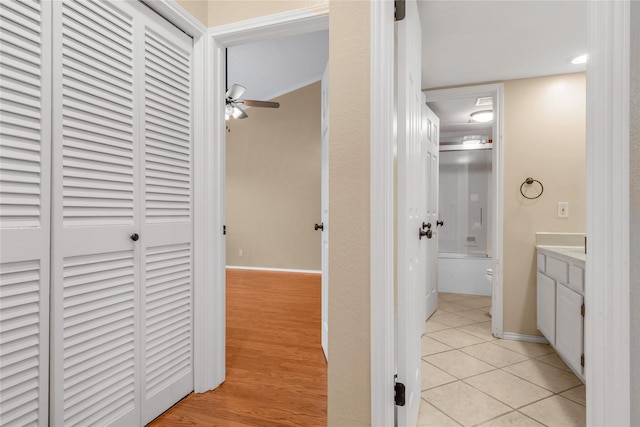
[
  {"x": 235, "y": 91},
  {"x": 253, "y": 103},
  {"x": 238, "y": 113}
]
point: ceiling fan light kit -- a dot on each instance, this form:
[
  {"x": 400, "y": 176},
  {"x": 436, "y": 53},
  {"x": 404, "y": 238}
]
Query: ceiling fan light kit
[{"x": 233, "y": 101}]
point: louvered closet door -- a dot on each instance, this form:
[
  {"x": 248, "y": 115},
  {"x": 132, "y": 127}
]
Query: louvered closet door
[
  {"x": 167, "y": 231},
  {"x": 24, "y": 211},
  {"x": 95, "y": 358}
]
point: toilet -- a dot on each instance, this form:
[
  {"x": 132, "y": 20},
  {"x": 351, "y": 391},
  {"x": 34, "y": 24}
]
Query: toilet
[{"x": 489, "y": 276}]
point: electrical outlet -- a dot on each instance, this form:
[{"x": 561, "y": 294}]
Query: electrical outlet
[
  {"x": 240, "y": 252},
  {"x": 563, "y": 209}
]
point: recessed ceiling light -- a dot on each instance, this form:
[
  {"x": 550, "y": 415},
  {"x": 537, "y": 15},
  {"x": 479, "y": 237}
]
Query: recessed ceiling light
[
  {"x": 482, "y": 116},
  {"x": 578, "y": 60}
]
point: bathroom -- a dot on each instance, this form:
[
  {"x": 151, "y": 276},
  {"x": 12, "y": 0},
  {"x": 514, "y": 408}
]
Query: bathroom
[{"x": 465, "y": 195}]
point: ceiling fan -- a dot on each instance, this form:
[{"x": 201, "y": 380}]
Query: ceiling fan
[{"x": 233, "y": 100}]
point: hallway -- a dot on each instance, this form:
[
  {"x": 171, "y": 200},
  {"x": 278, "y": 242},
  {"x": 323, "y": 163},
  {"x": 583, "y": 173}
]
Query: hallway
[
  {"x": 470, "y": 378},
  {"x": 276, "y": 371}
]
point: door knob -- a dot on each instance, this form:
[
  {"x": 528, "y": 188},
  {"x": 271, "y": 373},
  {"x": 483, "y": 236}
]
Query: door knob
[
  {"x": 319, "y": 227},
  {"x": 439, "y": 223},
  {"x": 426, "y": 225},
  {"x": 134, "y": 237},
  {"x": 422, "y": 233}
]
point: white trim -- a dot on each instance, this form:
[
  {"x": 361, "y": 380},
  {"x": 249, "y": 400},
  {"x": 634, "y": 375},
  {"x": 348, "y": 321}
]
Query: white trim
[
  {"x": 607, "y": 340},
  {"x": 210, "y": 172},
  {"x": 178, "y": 16},
  {"x": 273, "y": 26},
  {"x": 382, "y": 214},
  {"x": 528, "y": 338},
  {"x": 274, "y": 269},
  {"x": 497, "y": 222}
]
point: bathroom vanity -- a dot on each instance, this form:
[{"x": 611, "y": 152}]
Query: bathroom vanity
[{"x": 560, "y": 297}]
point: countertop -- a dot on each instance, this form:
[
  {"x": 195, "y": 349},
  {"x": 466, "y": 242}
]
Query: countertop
[{"x": 575, "y": 253}]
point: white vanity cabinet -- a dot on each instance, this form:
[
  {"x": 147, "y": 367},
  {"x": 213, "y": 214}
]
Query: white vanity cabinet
[{"x": 560, "y": 298}]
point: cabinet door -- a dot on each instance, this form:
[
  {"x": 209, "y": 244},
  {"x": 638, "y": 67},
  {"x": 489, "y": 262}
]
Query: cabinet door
[
  {"x": 24, "y": 211},
  {"x": 570, "y": 323},
  {"x": 547, "y": 307}
]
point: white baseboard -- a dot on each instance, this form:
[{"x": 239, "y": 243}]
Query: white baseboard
[
  {"x": 280, "y": 270},
  {"x": 528, "y": 338}
]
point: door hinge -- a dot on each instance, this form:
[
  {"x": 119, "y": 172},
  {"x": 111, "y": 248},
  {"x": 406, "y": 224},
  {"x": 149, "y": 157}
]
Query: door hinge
[
  {"x": 585, "y": 244},
  {"x": 400, "y": 9},
  {"x": 224, "y": 230},
  {"x": 582, "y": 310},
  {"x": 400, "y": 394},
  {"x": 582, "y": 360}
]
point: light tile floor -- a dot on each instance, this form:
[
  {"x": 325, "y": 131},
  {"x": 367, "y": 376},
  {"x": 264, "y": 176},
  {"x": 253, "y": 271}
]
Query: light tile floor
[{"x": 471, "y": 378}]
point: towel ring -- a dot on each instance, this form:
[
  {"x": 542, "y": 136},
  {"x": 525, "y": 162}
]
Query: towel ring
[{"x": 530, "y": 181}]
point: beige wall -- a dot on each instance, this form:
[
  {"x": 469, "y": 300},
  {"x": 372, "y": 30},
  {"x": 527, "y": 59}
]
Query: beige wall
[
  {"x": 273, "y": 184},
  {"x": 228, "y": 11},
  {"x": 544, "y": 138},
  {"x": 349, "y": 293},
  {"x": 198, "y": 8},
  {"x": 634, "y": 253}
]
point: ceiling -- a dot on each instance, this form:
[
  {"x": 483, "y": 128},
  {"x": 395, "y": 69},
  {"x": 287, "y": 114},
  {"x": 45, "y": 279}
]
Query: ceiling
[
  {"x": 464, "y": 42},
  {"x": 481, "y": 41},
  {"x": 274, "y": 67}
]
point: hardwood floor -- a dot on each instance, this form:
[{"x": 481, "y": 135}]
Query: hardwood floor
[{"x": 276, "y": 371}]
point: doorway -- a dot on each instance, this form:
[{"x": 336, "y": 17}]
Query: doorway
[
  {"x": 459, "y": 101},
  {"x": 274, "y": 227}
]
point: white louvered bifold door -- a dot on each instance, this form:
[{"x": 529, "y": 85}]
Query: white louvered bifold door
[
  {"x": 122, "y": 247},
  {"x": 167, "y": 231},
  {"x": 95, "y": 357},
  {"x": 24, "y": 211}
]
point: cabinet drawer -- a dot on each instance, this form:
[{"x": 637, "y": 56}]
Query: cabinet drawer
[
  {"x": 557, "y": 269},
  {"x": 576, "y": 278},
  {"x": 541, "y": 262}
]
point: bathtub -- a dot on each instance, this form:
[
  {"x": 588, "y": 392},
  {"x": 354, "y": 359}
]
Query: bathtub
[{"x": 463, "y": 273}]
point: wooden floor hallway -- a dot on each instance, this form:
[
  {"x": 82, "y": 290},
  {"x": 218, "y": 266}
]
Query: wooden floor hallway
[{"x": 276, "y": 371}]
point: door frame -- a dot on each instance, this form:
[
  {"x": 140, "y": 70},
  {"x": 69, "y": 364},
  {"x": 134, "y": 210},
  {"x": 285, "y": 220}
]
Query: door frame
[
  {"x": 497, "y": 173},
  {"x": 382, "y": 199},
  {"x": 607, "y": 288},
  {"x": 210, "y": 173}
]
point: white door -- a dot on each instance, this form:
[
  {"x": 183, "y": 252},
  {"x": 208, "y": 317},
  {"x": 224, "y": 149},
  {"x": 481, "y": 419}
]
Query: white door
[
  {"x": 411, "y": 247},
  {"x": 166, "y": 217},
  {"x": 95, "y": 199},
  {"x": 431, "y": 138},
  {"x": 325, "y": 209},
  {"x": 121, "y": 252},
  {"x": 25, "y": 149}
]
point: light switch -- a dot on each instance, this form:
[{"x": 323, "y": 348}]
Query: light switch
[{"x": 563, "y": 209}]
